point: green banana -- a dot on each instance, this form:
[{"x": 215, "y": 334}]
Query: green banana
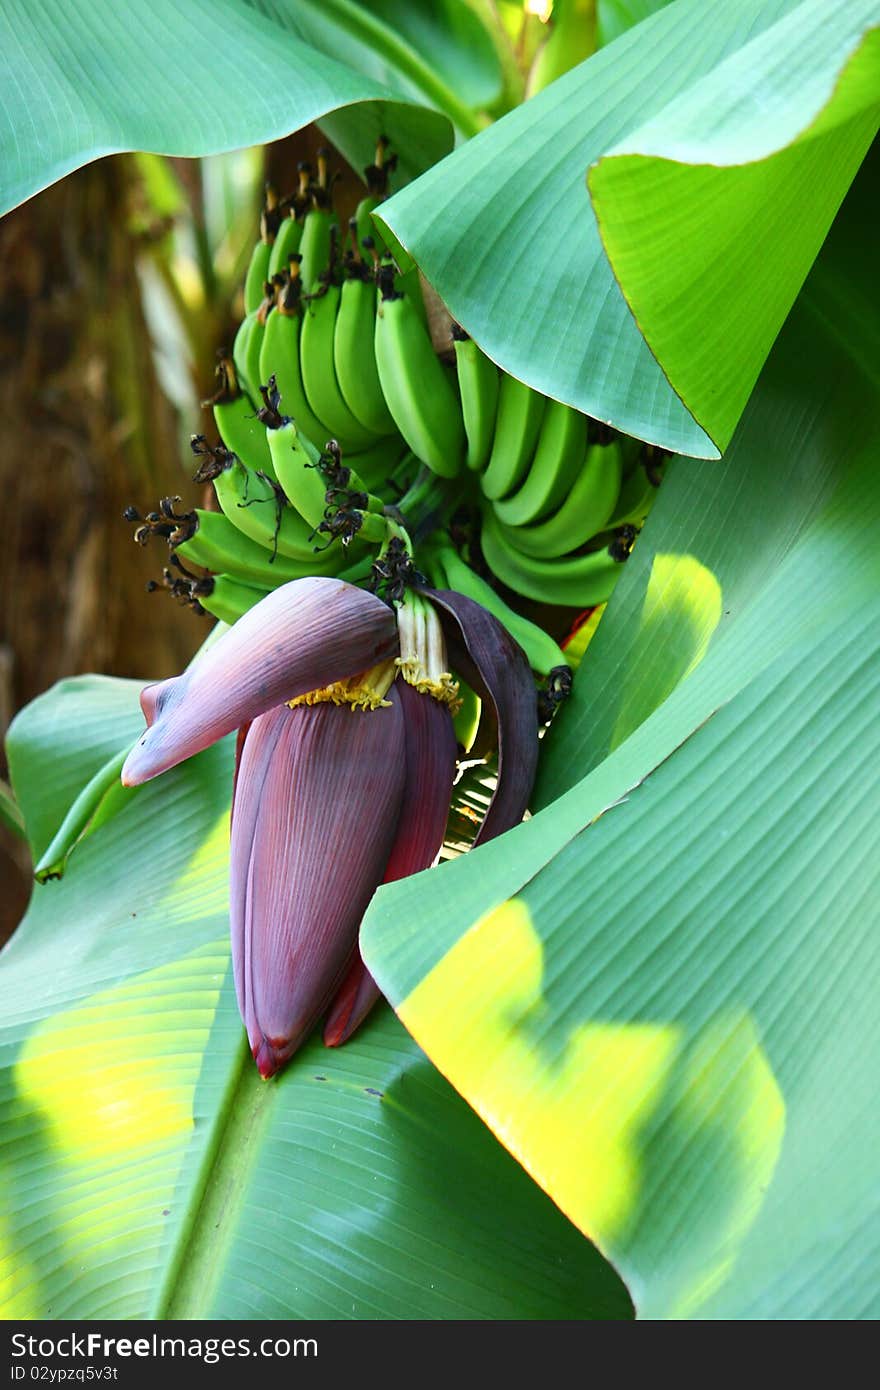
[
  {"x": 304, "y": 484},
  {"x": 251, "y": 502},
  {"x": 632, "y": 450},
  {"x": 576, "y": 581},
  {"x": 257, "y": 275},
  {"x": 280, "y": 357},
  {"x": 229, "y": 598},
  {"x": 240, "y": 354},
  {"x": 254, "y": 342},
  {"x": 306, "y": 475},
  {"x": 363, "y": 221},
  {"x": 409, "y": 282},
  {"x": 319, "y": 373},
  {"x": 248, "y": 345},
  {"x": 258, "y": 267},
  {"x": 354, "y": 354},
  {"x": 286, "y": 243},
  {"x": 583, "y": 514},
  {"x": 478, "y": 383},
  {"x": 289, "y": 234},
  {"x": 541, "y": 650},
  {"x": 218, "y": 545},
  {"x": 416, "y": 386},
  {"x": 315, "y": 246},
  {"x": 637, "y": 495},
  {"x": 240, "y": 430},
  {"x": 100, "y": 800},
  {"x": 317, "y": 243},
  {"x": 359, "y": 570},
  {"x": 369, "y": 236},
  {"x": 520, "y": 412},
  {"x": 376, "y": 175},
  {"x": 558, "y": 456},
  {"x": 466, "y": 720}
]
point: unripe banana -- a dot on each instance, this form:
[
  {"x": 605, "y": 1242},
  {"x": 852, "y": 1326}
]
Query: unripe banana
[
  {"x": 319, "y": 372},
  {"x": 520, "y": 412},
  {"x": 289, "y": 231},
  {"x": 369, "y": 236},
  {"x": 478, "y": 384},
  {"x": 409, "y": 283},
  {"x": 220, "y": 546},
  {"x": 249, "y": 341},
  {"x": 240, "y": 358},
  {"x": 280, "y": 357},
  {"x": 237, "y": 424},
  {"x": 576, "y": 581},
  {"x": 583, "y": 514},
  {"x": 365, "y": 231},
  {"x": 376, "y": 176},
  {"x": 316, "y": 244},
  {"x": 255, "y": 342},
  {"x": 558, "y": 457},
  {"x": 258, "y": 269},
  {"x": 257, "y": 275},
  {"x": 637, "y": 495},
  {"x": 543, "y": 653},
  {"x": 257, "y": 506},
  {"x": 295, "y": 468},
  {"x": 357, "y": 570},
  {"x": 466, "y": 720},
  {"x": 354, "y": 356},
  {"x": 287, "y": 242},
  {"x": 417, "y": 388},
  {"x": 229, "y": 598}
]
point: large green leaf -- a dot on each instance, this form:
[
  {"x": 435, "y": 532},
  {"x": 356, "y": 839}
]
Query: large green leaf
[
  {"x": 148, "y": 1172},
  {"x": 614, "y": 17},
  {"x": 694, "y": 584},
  {"x": 673, "y": 1024},
  {"x": 440, "y": 47},
  {"x": 743, "y": 176},
  {"x": 452, "y": 37},
  {"x": 84, "y": 721},
  {"x": 88, "y": 79},
  {"x": 784, "y": 95},
  {"x": 663, "y": 981}
]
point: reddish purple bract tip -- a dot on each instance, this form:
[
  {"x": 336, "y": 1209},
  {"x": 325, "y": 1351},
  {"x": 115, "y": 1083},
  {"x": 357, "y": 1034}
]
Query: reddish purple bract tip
[{"x": 301, "y": 637}]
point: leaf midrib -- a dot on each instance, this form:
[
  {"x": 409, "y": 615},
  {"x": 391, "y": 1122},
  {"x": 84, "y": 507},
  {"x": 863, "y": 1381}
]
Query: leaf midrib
[{"x": 199, "y": 1259}]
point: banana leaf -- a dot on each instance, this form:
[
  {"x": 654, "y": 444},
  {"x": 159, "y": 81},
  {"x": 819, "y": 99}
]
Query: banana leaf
[
  {"x": 631, "y": 239},
  {"x": 665, "y": 980},
  {"x": 149, "y": 1173},
  {"x": 86, "y": 80}
]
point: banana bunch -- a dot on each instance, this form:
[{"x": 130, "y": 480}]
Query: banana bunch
[
  {"x": 300, "y": 390},
  {"x": 343, "y": 434},
  {"x": 562, "y": 495},
  {"x": 286, "y": 511},
  {"x": 344, "y": 333}
]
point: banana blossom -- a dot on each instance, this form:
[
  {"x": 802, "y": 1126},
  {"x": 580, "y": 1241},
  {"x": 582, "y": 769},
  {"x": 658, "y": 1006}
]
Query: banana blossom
[{"x": 344, "y": 766}]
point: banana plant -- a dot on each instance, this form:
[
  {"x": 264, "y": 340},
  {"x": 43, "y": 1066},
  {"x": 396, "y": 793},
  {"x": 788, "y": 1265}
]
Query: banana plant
[{"x": 545, "y": 482}]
